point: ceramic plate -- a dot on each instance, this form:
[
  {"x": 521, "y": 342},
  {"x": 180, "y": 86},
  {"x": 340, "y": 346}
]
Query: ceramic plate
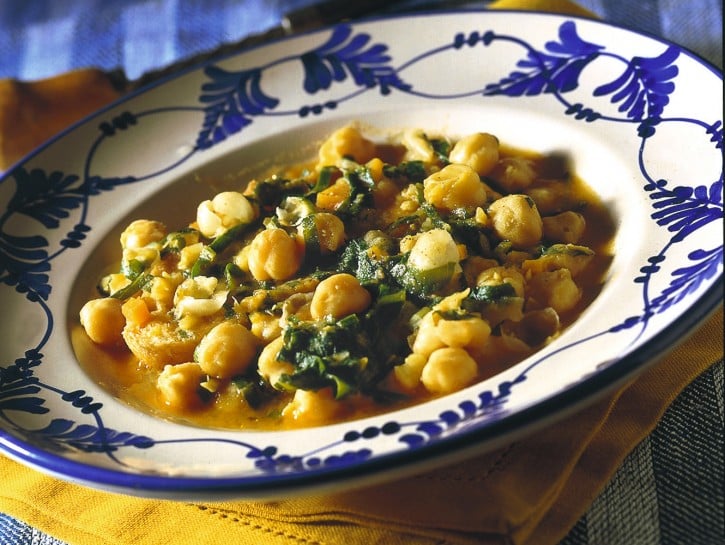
[{"x": 640, "y": 118}]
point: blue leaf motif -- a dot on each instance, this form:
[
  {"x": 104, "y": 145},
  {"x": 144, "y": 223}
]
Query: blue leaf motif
[
  {"x": 31, "y": 280},
  {"x": 24, "y": 265},
  {"x": 17, "y": 391},
  {"x": 45, "y": 197},
  {"x": 64, "y": 434},
  {"x": 232, "y": 98},
  {"x": 85, "y": 403},
  {"x": 716, "y": 130},
  {"x": 20, "y": 249},
  {"x": 685, "y": 209},
  {"x": 556, "y": 71},
  {"x": 120, "y": 122},
  {"x": 643, "y": 89},
  {"x": 686, "y": 280},
  {"x": 346, "y": 55}
]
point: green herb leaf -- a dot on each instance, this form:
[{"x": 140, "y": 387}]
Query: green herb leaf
[
  {"x": 209, "y": 253},
  {"x": 412, "y": 171},
  {"x": 136, "y": 285},
  {"x": 422, "y": 284},
  {"x": 567, "y": 249},
  {"x": 491, "y": 293},
  {"x": 255, "y": 390},
  {"x": 324, "y": 180},
  {"x": 356, "y": 260},
  {"x": 442, "y": 149},
  {"x": 132, "y": 268},
  {"x": 329, "y": 354}
]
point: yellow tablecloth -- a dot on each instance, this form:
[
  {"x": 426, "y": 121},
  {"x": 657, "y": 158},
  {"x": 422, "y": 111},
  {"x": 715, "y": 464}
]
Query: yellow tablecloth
[{"x": 530, "y": 492}]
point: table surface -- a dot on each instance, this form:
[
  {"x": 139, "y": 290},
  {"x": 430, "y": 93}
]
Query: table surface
[{"x": 670, "y": 488}]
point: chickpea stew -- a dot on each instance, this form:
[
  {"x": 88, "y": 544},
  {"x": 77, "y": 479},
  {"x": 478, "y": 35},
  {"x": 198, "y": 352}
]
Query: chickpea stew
[{"x": 373, "y": 277}]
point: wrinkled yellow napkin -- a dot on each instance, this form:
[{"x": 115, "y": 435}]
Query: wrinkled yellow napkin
[{"x": 530, "y": 492}]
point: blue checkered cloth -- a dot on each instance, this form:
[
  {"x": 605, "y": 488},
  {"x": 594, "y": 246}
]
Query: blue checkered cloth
[
  {"x": 669, "y": 490},
  {"x": 41, "y": 38}
]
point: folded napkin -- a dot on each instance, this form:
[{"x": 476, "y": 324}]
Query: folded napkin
[{"x": 529, "y": 492}]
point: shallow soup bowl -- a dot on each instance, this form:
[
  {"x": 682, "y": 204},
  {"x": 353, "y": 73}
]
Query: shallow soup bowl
[{"x": 639, "y": 119}]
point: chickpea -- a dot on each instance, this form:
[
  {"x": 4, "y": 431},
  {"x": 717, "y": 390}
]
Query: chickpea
[
  {"x": 407, "y": 374},
  {"x": 551, "y": 196},
  {"x": 189, "y": 255},
  {"x": 534, "y": 329},
  {"x": 241, "y": 260},
  {"x": 555, "y": 289},
  {"x": 345, "y": 142},
  {"x": 478, "y": 151},
  {"x": 454, "y": 186},
  {"x": 427, "y": 340},
  {"x": 311, "y": 408},
  {"x": 418, "y": 146},
  {"x": 338, "y": 296},
  {"x": 224, "y": 211},
  {"x": 516, "y": 218},
  {"x": 140, "y": 233},
  {"x": 163, "y": 289},
  {"x": 179, "y": 385},
  {"x": 467, "y": 333},
  {"x": 265, "y": 326},
  {"x": 448, "y": 370},
  {"x": 274, "y": 255},
  {"x": 146, "y": 255},
  {"x": 566, "y": 227},
  {"x": 496, "y": 276},
  {"x": 514, "y": 174},
  {"x": 103, "y": 320},
  {"x": 560, "y": 256},
  {"x": 330, "y": 232},
  {"x": 227, "y": 350},
  {"x": 433, "y": 249},
  {"x": 269, "y": 367}
]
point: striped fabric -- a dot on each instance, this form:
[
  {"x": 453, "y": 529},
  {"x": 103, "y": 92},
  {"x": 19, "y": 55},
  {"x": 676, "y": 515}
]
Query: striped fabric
[{"x": 670, "y": 489}]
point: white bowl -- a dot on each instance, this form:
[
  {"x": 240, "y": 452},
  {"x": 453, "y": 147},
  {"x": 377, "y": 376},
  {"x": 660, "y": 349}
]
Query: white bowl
[{"x": 641, "y": 119}]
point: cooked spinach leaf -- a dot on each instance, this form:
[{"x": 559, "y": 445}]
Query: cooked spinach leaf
[
  {"x": 411, "y": 171},
  {"x": 356, "y": 260},
  {"x": 331, "y": 354},
  {"x": 255, "y": 390}
]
